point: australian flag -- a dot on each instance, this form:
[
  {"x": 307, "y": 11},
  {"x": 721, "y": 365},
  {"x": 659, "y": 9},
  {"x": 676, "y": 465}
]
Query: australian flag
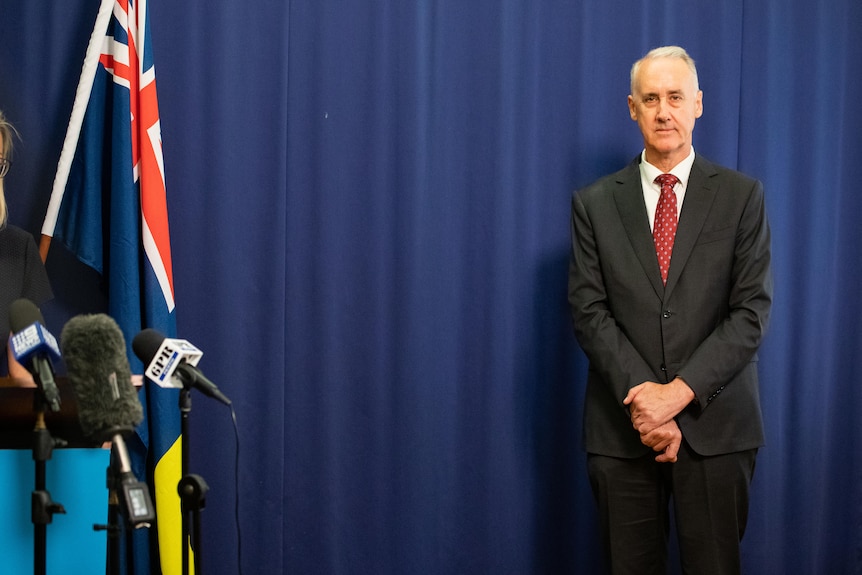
[{"x": 109, "y": 207}]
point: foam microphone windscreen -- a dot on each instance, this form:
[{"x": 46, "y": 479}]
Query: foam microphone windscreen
[{"x": 98, "y": 369}]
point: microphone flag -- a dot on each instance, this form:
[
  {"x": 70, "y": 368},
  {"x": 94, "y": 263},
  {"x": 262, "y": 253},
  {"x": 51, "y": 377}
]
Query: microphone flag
[
  {"x": 32, "y": 339},
  {"x": 162, "y": 369}
]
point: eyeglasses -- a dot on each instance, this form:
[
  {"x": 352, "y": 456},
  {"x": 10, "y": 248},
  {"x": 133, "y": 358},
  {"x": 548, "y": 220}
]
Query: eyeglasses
[{"x": 4, "y": 166}]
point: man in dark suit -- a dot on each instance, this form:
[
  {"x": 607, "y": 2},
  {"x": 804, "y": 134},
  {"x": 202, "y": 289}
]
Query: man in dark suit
[{"x": 670, "y": 291}]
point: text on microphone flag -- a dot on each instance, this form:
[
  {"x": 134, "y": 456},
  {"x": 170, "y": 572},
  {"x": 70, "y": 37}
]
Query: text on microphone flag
[
  {"x": 33, "y": 338},
  {"x": 168, "y": 357}
]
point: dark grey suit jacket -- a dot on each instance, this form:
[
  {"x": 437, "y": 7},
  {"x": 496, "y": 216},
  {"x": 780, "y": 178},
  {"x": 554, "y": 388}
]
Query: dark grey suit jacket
[{"x": 705, "y": 325}]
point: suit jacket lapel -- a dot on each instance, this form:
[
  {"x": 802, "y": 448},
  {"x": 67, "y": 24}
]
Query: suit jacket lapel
[
  {"x": 630, "y": 203},
  {"x": 699, "y": 196}
]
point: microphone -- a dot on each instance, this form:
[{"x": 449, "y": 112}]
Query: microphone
[
  {"x": 108, "y": 404},
  {"x": 34, "y": 347},
  {"x": 171, "y": 363},
  {"x": 96, "y": 363}
]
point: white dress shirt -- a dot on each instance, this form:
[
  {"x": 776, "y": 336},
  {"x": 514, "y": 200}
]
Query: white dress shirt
[{"x": 652, "y": 190}]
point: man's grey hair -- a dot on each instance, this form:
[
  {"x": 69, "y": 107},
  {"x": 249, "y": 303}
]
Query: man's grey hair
[{"x": 665, "y": 52}]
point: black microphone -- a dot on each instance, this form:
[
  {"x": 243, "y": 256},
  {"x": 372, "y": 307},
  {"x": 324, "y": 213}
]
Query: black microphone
[
  {"x": 172, "y": 363},
  {"x": 108, "y": 405},
  {"x": 34, "y": 347}
]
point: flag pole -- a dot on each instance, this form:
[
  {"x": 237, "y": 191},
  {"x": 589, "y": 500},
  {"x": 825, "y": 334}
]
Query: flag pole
[
  {"x": 73, "y": 132},
  {"x": 44, "y": 247}
]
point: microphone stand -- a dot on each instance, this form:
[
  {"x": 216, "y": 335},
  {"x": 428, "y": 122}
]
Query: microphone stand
[
  {"x": 42, "y": 507},
  {"x": 129, "y": 504},
  {"x": 113, "y": 530},
  {"x": 192, "y": 490}
]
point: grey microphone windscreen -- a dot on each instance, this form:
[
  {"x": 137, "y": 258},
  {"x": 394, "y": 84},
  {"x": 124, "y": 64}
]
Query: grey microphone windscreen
[{"x": 95, "y": 354}]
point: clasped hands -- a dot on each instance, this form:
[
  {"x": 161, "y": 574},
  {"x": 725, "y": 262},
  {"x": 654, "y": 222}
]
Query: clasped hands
[{"x": 653, "y": 407}]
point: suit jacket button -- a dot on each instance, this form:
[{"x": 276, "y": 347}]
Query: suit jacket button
[{"x": 666, "y": 314}]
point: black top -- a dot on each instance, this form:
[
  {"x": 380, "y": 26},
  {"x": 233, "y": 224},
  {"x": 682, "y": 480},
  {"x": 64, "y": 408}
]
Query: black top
[{"x": 22, "y": 275}]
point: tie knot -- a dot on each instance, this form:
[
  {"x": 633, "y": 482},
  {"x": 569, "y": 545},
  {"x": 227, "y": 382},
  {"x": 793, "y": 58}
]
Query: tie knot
[{"x": 667, "y": 181}]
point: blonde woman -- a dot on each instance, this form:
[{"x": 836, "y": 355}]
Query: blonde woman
[{"x": 22, "y": 274}]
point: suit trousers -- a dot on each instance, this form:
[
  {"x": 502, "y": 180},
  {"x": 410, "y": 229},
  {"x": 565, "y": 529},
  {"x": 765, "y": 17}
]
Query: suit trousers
[{"x": 710, "y": 502}]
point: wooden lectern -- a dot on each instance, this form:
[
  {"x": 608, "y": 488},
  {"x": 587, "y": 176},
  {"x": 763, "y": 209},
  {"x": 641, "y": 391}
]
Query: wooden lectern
[{"x": 17, "y": 417}]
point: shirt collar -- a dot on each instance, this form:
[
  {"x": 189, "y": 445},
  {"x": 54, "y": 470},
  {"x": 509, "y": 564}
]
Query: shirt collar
[{"x": 682, "y": 170}]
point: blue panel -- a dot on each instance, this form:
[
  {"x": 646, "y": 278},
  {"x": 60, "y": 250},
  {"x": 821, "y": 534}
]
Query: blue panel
[{"x": 76, "y": 479}]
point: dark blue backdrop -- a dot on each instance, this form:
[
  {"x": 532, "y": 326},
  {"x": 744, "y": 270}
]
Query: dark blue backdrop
[{"x": 369, "y": 210}]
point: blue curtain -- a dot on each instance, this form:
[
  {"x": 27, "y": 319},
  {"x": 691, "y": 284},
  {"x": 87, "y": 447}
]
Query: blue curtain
[{"x": 369, "y": 206}]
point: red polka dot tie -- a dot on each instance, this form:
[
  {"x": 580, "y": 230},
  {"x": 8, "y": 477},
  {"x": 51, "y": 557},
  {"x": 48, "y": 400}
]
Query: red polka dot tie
[{"x": 664, "y": 228}]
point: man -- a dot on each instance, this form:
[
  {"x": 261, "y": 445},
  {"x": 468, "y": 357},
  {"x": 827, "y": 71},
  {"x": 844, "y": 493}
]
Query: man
[{"x": 670, "y": 292}]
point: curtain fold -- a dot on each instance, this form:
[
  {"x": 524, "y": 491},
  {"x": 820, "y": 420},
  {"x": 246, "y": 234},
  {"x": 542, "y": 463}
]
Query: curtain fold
[{"x": 370, "y": 209}]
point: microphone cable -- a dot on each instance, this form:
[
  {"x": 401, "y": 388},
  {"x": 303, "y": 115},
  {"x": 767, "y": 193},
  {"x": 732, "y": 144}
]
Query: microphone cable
[{"x": 236, "y": 491}]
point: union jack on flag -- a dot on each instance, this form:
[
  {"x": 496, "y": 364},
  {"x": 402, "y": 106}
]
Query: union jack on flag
[{"x": 109, "y": 207}]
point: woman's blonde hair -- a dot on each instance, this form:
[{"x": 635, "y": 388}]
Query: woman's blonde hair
[{"x": 7, "y": 131}]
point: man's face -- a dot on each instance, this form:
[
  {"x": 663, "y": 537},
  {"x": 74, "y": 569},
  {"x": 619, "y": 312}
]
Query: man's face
[{"x": 665, "y": 105}]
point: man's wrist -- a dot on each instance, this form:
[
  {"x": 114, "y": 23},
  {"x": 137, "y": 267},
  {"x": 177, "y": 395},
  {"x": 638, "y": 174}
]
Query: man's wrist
[{"x": 686, "y": 390}]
